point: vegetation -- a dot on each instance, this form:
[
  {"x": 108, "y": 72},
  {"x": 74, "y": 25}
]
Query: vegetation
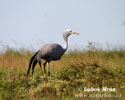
[{"x": 69, "y": 76}]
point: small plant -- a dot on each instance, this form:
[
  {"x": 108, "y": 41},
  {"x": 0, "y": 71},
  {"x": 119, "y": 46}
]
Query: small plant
[{"x": 91, "y": 47}]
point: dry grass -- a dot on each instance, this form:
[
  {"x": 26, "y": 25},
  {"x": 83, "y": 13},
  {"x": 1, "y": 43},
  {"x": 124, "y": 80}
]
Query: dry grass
[{"x": 75, "y": 69}]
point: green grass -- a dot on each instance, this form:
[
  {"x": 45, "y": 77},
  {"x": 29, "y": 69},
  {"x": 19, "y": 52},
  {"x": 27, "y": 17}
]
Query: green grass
[{"x": 74, "y": 71}]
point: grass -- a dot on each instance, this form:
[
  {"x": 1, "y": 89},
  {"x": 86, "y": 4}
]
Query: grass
[{"x": 70, "y": 75}]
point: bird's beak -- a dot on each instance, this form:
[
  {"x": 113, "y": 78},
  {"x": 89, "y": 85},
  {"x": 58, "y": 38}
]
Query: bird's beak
[{"x": 75, "y": 33}]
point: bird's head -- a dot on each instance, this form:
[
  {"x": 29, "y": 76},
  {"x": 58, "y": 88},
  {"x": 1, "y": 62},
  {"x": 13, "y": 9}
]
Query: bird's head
[{"x": 68, "y": 32}]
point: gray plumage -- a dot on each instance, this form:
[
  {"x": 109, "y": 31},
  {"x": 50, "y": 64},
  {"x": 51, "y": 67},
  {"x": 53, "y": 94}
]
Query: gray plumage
[
  {"x": 49, "y": 52},
  {"x": 53, "y": 51}
]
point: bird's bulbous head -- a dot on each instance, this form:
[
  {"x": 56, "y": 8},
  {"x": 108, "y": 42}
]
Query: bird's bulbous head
[{"x": 68, "y": 32}]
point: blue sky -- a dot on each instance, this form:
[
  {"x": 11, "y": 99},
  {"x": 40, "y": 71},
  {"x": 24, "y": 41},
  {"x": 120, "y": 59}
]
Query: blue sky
[{"x": 26, "y": 23}]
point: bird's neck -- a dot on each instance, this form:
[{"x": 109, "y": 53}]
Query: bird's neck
[{"x": 66, "y": 43}]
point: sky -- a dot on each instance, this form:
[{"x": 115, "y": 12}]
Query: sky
[{"x": 33, "y": 23}]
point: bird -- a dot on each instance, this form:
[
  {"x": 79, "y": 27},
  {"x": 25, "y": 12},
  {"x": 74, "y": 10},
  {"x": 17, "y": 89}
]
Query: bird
[{"x": 50, "y": 52}]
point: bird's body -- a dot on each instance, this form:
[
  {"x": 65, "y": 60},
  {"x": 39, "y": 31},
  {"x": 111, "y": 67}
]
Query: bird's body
[
  {"x": 53, "y": 51},
  {"x": 49, "y": 52}
]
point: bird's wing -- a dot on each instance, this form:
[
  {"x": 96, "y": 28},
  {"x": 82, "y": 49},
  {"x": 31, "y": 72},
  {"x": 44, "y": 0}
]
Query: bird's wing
[{"x": 54, "y": 51}]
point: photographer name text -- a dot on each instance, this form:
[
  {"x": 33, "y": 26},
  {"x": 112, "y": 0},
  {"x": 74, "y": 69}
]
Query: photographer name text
[{"x": 92, "y": 89}]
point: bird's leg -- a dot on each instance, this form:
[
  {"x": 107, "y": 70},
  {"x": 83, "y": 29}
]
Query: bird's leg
[
  {"x": 48, "y": 69},
  {"x": 47, "y": 61},
  {"x": 34, "y": 64},
  {"x": 40, "y": 66},
  {"x": 44, "y": 67}
]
